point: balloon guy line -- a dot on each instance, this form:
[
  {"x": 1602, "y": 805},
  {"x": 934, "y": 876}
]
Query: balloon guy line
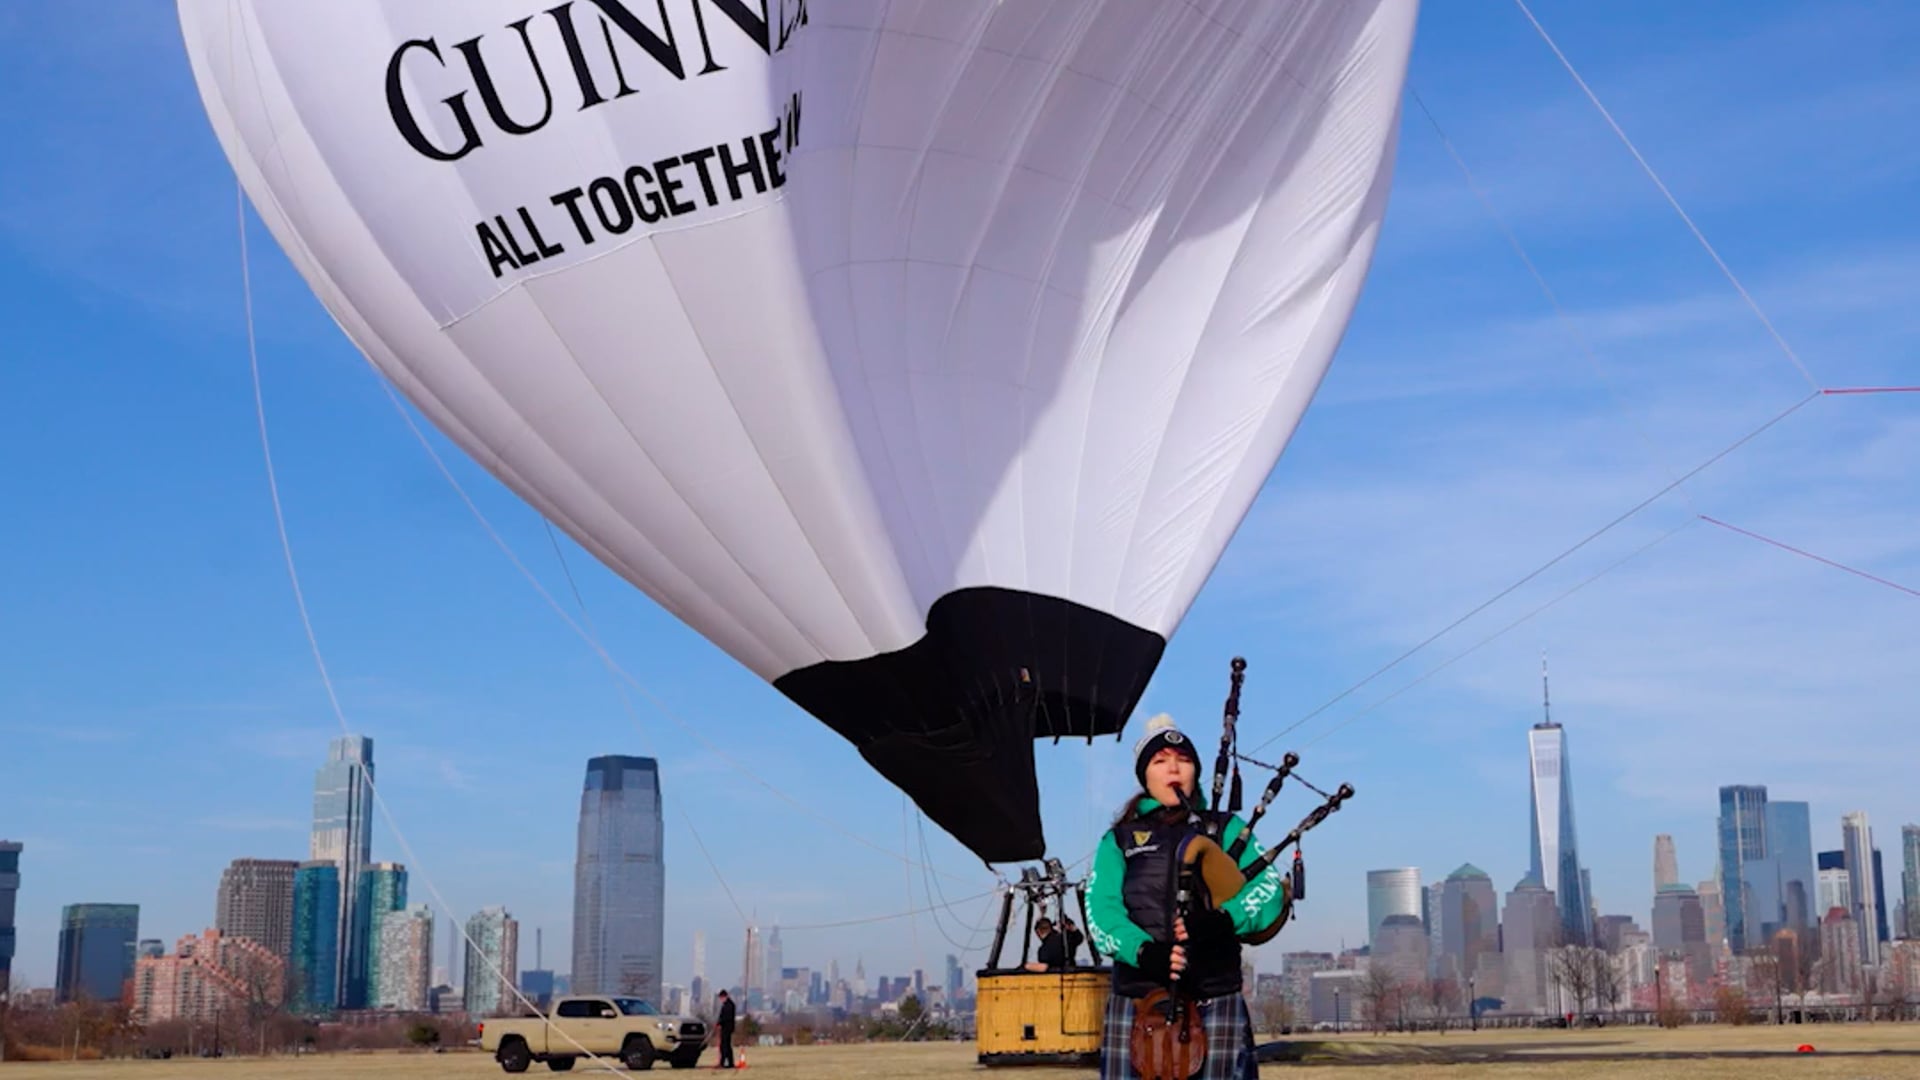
[{"x": 320, "y": 663}]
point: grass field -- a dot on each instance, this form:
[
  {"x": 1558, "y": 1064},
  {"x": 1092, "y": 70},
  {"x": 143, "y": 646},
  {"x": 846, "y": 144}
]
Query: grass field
[{"x": 1854, "y": 1050}]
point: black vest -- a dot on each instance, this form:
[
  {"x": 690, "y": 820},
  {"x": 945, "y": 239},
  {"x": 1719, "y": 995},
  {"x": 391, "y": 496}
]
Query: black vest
[{"x": 1151, "y": 847}]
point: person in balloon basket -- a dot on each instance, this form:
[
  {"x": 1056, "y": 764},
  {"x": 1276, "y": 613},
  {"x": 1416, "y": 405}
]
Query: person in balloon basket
[{"x": 1165, "y": 953}]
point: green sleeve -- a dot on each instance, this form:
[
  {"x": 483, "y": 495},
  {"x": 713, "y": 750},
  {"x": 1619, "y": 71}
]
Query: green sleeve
[
  {"x": 1263, "y": 901},
  {"x": 1114, "y": 934}
]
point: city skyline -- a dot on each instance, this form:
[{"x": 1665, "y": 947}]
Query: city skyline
[
  {"x": 1766, "y": 838},
  {"x": 160, "y": 688}
]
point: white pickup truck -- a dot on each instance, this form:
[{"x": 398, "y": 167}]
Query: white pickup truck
[{"x": 626, "y": 1028}]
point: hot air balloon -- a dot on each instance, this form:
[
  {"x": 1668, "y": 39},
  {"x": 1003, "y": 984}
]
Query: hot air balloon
[{"x": 923, "y": 356}]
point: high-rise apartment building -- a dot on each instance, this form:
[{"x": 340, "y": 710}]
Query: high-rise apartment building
[
  {"x": 404, "y": 978},
  {"x": 209, "y": 975},
  {"x": 619, "y": 883},
  {"x": 1856, "y": 839},
  {"x": 1556, "y": 849},
  {"x": 383, "y": 890},
  {"x": 343, "y": 835},
  {"x": 96, "y": 951},
  {"x": 1743, "y": 840},
  {"x": 493, "y": 962},
  {"x": 255, "y": 902},
  {"x": 1393, "y": 892},
  {"x": 9, "y": 889},
  {"x": 314, "y": 961}
]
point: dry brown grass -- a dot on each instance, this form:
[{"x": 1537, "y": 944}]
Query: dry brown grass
[{"x": 1855, "y": 1050}]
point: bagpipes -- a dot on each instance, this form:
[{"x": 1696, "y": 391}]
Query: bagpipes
[
  {"x": 1202, "y": 857},
  {"x": 1168, "y": 1041}
]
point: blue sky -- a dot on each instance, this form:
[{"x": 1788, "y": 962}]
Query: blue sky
[{"x": 160, "y": 713}]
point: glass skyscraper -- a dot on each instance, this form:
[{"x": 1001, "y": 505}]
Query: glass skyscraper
[
  {"x": 619, "y": 883},
  {"x": 1743, "y": 840},
  {"x": 97, "y": 944},
  {"x": 493, "y": 962},
  {"x": 343, "y": 835},
  {"x": 1393, "y": 892},
  {"x": 315, "y": 962},
  {"x": 1556, "y": 849},
  {"x": 9, "y": 887},
  {"x": 383, "y": 890},
  {"x": 1790, "y": 883}
]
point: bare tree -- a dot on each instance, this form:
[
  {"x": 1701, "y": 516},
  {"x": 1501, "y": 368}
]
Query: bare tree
[
  {"x": 1442, "y": 995},
  {"x": 1607, "y": 982},
  {"x": 1275, "y": 1013},
  {"x": 1894, "y": 986},
  {"x": 1380, "y": 992},
  {"x": 1572, "y": 967},
  {"x": 1867, "y": 985},
  {"x": 1766, "y": 976}
]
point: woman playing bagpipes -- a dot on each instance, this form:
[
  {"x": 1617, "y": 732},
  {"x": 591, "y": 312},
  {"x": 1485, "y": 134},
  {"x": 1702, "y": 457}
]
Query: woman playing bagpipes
[{"x": 1166, "y": 901}]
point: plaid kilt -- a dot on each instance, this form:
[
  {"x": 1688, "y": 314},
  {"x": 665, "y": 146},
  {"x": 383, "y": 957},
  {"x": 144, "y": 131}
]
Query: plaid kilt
[{"x": 1229, "y": 1028}]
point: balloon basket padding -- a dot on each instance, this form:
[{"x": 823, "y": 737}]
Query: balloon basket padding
[{"x": 1041, "y": 1018}]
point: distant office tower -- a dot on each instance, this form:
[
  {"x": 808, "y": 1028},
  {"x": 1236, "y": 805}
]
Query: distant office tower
[
  {"x": 492, "y": 970},
  {"x": 1785, "y": 887},
  {"x": 1909, "y": 887},
  {"x": 1836, "y": 888},
  {"x": 383, "y": 890},
  {"x": 343, "y": 835},
  {"x": 753, "y": 966},
  {"x": 149, "y": 947},
  {"x": 1470, "y": 925},
  {"x": 1556, "y": 849},
  {"x": 1399, "y": 948},
  {"x": 699, "y": 954},
  {"x": 255, "y": 902},
  {"x": 776, "y": 960},
  {"x": 1880, "y": 899},
  {"x": 314, "y": 961},
  {"x": 9, "y": 888},
  {"x": 1713, "y": 905},
  {"x": 1743, "y": 840},
  {"x": 1392, "y": 892},
  {"x": 96, "y": 951},
  {"x": 404, "y": 974},
  {"x": 1680, "y": 926},
  {"x": 1666, "y": 869},
  {"x": 1856, "y": 837},
  {"x": 1529, "y": 932},
  {"x": 619, "y": 880}
]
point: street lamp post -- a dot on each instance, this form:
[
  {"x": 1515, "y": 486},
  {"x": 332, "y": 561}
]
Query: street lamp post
[{"x": 1473, "y": 1005}]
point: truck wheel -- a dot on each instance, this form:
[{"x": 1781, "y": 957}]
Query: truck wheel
[
  {"x": 513, "y": 1055},
  {"x": 637, "y": 1053},
  {"x": 559, "y": 1064}
]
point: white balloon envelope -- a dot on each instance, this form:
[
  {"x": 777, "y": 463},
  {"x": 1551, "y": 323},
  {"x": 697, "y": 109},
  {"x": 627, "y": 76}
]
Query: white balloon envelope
[{"x": 923, "y": 356}]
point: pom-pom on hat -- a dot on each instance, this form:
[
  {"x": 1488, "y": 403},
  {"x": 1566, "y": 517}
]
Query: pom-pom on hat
[{"x": 1161, "y": 734}]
